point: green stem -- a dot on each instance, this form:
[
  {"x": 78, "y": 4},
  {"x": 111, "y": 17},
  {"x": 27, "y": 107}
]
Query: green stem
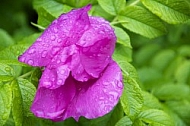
[
  {"x": 26, "y": 74},
  {"x": 38, "y": 26}
]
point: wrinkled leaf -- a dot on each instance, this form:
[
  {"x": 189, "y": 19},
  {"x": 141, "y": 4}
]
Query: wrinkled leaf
[
  {"x": 141, "y": 21},
  {"x": 122, "y": 37},
  {"x": 5, "y": 102},
  {"x": 112, "y": 7},
  {"x": 171, "y": 11},
  {"x": 155, "y": 117},
  {"x": 125, "y": 121}
]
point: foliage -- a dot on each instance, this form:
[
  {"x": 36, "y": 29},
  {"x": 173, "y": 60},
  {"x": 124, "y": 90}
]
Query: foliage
[{"x": 156, "y": 83}]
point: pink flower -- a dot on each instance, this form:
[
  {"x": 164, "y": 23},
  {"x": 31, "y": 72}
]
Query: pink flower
[{"x": 80, "y": 77}]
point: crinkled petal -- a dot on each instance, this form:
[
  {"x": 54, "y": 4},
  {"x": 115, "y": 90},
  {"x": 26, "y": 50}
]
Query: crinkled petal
[
  {"x": 54, "y": 77},
  {"x": 51, "y": 103},
  {"x": 78, "y": 71},
  {"x": 98, "y": 46},
  {"x": 64, "y": 31},
  {"x": 96, "y": 98},
  {"x": 59, "y": 68}
]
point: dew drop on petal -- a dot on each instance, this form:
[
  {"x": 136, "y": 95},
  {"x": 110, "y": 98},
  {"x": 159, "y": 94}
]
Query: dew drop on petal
[
  {"x": 55, "y": 50},
  {"x": 58, "y": 61},
  {"x": 31, "y": 51},
  {"x": 30, "y": 62},
  {"x": 59, "y": 40},
  {"x": 44, "y": 54},
  {"x": 47, "y": 83},
  {"x": 55, "y": 29},
  {"x": 119, "y": 85},
  {"x": 59, "y": 82},
  {"x": 52, "y": 37}
]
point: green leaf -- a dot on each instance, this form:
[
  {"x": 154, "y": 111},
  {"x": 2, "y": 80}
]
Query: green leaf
[
  {"x": 183, "y": 72},
  {"x": 5, "y": 102},
  {"x": 181, "y": 108},
  {"x": 155, "y": 117},
  {"x": 171, "y": 11},
  {"x": 150, "y": 77},
  {"x": 78, "y": 3},
  {"x": 141, "y": 21},
  {"x": 122, "y": 53},
  {"x": 184, "y": 51},
  {"x": 6, "y": 70},
  {"x": 125, "y": 121},
  {"x": 28, "y": 91},
  {"x": 145, "y": 54},
  {"x": 171, "y": 91},
  {"x": 44, "y": 17},
  {"x": 116, "y": 115},
  {"x": 162, "y": 59},
  {"x": 122, "y": 37},
  {"x": 112, "y": 7},
  {"x": 150, "y": 101},
  {"x": 12, "y": 52},
  {"x": 52, "y": 7},
  {"x": 13, "y": 62},
  {"x": 5, "y": 39},
  {"x": 17, "y": 108},
  {"x": 131, "y": 99},
  {"x": 98, "y": 11}
]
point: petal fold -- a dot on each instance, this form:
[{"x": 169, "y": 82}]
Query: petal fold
[{"x": 64, "y": 31}]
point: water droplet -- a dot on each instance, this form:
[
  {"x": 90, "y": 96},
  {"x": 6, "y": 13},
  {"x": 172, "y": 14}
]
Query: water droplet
[
  {"x": 55, "y": 29},
  {"x": 59, "y": 82},
  {"x": 39, "y": 39},
  {"x": 113, "y": 95},
  {"x": 44, "y": 53},
  {"x": 59, "y": 40},
  {"x": 47, "y": 83},
  {"x": 101, "y": 98},
  {"x": 30, "y": 62},
  {"x": 62, "y": 72},
  {"x": 39, "y": 113},
  {"x": 31, "y": 51},
  {"x": 58, "y": 61},
  {"x": 53, "y": 79},
  {"x": 119, "y": 85},
  {"x": 105, "y": 83},
  {"x": 55, "y": 50},
  {"x": 52, "y": 37}
]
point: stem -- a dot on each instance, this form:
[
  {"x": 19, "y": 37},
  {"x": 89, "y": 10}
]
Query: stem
[
  {"x": 26, "y": 74},
  {"x": 38, "y": 26}
]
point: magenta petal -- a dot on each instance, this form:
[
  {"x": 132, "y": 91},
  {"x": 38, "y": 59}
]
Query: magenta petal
[
  {"x": 98, "y": 46},
  {"x": 64, "y": 31},
  {"x": 54, "y": 77},
  {"x": 51, "y": 103},
  {"x": 78, "y": 71},
  {"x": 96, "y": 98}
]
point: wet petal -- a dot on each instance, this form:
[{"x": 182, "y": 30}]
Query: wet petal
[
  {"x": 54, "y": 77},
  {"x": 64, "y": 31},
  {"x": 96, "y": 98},
  {"x": 51, "y": 103},
  {"x": 98, "y": 46},
  {"x": 78, "y": 71}
]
